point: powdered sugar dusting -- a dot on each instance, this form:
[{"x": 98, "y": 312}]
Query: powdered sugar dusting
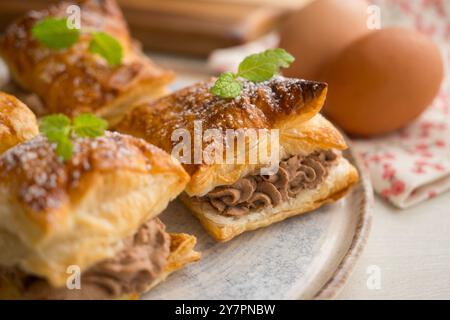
[
  {"x": 258, "y": 106},
  {"x": 42, "y": 180}
]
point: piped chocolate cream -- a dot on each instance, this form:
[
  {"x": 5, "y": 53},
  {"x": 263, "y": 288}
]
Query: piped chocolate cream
[
  {"x": 131, "y": 271},
  {"x": 295, "y": 174}
]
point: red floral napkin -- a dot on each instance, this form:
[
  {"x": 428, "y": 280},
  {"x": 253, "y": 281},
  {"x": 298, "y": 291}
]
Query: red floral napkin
[{"x": 412, "y": 165}]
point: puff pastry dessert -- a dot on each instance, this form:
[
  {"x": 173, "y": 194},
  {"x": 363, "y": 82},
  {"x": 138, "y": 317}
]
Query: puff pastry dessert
[
  {"x": 230, "y": 199},
  {"x": 17, "y": 122},
  {"x": 73, "y": 80},
  {"x": 97, "y": 212}
]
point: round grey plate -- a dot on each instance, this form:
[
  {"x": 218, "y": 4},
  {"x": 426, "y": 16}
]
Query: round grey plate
[{"x": 304, "y": 257}]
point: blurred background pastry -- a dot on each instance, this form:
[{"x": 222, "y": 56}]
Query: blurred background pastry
[{"x": 71, "y": 79}]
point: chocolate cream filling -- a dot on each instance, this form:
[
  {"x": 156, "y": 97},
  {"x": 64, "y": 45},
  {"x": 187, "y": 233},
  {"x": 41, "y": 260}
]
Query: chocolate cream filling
[
  {"x": 131, "y": 271},
  {"x": 295, "y": 174}
]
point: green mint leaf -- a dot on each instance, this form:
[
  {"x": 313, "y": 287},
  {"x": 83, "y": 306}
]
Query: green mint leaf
[
  {"x": 55, "y": 33},
  {"x": 107, "y": 47},
  {"x": 89, "y": 126},
  {"x": 55, "y": 126},
  {"x": 59, "y": 129},
  {"x": 64, "y": 148},
  {"x": 227, "y": 86},
  {"x": 283, "y": 58},
  {"x": 263, "y": 66}
]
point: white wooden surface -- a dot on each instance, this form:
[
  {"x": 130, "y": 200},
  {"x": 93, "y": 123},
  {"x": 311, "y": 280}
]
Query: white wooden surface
[{"x": 412, "y": 250}]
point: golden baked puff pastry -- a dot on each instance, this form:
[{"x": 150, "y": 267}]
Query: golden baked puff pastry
[
  {"x": 231, "y": 198},
  {"x": 73, "y": 80},
  {"x": 95, "y": 214},
  {"x": 17, "y": 122}
]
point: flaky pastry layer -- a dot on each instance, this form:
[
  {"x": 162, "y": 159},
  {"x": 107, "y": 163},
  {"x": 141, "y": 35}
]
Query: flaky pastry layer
[
  {"x": 17, "y": 122},
  {"x": 181, "y": 253}
]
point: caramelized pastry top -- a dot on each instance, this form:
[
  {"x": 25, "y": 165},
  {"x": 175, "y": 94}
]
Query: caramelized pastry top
[
  {"x": 17, "y": 122},
  {"x": 41, "y": 181},
  {"x": 262, "y": 105},
  {"x": 73, "y": 80}
]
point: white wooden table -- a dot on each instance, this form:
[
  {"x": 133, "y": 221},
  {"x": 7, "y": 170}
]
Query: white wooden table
[{"x": 411, "y": 248}]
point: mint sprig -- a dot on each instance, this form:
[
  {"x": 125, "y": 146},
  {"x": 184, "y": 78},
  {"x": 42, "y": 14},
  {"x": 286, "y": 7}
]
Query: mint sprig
[
  {"x": 55, "y": 34},
  {"x": 263, "y": 66},
  {"x": 227, "y": 86},
  {"x": 59, "y": 129},
  {"x": 257, "y": 67},
  {"x": 107, "y": 47}
]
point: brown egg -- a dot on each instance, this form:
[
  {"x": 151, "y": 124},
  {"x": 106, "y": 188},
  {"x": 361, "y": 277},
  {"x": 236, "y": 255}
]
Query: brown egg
[
  {"x": 383, "y": 81},
  {"x": 320, "y": 31}
]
